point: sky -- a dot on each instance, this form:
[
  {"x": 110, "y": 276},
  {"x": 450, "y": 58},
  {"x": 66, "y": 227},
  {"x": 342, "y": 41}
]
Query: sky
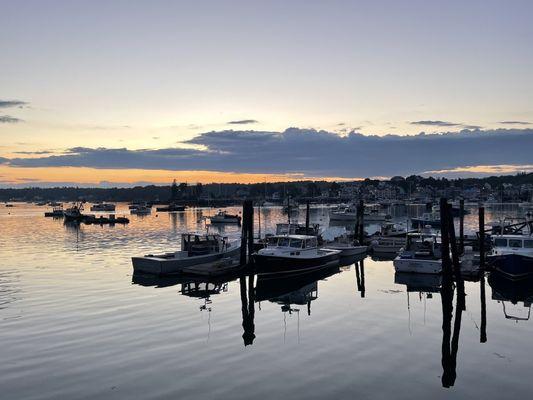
[{"x": 124, "y": 92}]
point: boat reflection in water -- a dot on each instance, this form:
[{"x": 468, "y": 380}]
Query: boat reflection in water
[
  {"x": 514, "y": 292},
  {"x": 297, "y": 289}
]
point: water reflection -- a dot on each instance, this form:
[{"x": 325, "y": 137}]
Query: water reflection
[
  {"x": 298, "y": 289},
  {"x": 515, "y": 296}
]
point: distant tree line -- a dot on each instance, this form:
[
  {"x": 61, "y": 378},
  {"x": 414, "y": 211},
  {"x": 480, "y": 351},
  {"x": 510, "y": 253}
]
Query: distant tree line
[{"x": 181, "y": 192}]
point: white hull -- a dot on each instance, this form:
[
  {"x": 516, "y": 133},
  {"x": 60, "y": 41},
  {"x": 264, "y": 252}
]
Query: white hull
[
  {"x": 421, "y": 266},
  {"x": 347, "y": 251}
]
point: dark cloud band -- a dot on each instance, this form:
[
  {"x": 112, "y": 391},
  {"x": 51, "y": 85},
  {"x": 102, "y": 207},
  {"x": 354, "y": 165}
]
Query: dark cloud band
[{"x": 310, "y": 152}]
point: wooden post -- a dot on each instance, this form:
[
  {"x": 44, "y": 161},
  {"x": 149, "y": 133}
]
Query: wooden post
[
  {"x": 462, "y": 226},
  {"x": 250, "y": 205},
  {"x": 289, "y": 210},
  {"x": 247, "y": 232},
  {"x": 244, "y": 234},
  {"x": 455, "y": 259},
  {"x": 481, "y": 215},
  {"x": 445, "y": 237},
  {"x": 307, "y": 218},
  {"x": 361, "y": 221}
]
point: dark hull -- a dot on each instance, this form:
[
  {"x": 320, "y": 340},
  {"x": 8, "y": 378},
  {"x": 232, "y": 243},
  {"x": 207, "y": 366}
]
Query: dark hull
[
  {"x": 420, "y": 223},
  {"x": 290, "y": 265},
  {"x": 512, "y": 266},
  {"x": 170, "y": 209}
]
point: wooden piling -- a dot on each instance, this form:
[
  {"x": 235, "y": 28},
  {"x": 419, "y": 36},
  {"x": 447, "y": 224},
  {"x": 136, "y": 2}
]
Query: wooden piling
[
  {"x": 307, "y": 218},
  {"x": 456, "y": 263},
  {"x": 361, "y": 213},
  {"x": 481, "y": 217},
  {"x": 247, "y": 231},
  {"x": 445, "y": 238},
  {"x": 462, "y": 226}
]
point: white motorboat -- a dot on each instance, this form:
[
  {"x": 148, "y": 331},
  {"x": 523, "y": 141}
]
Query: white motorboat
[
  {"x": 222, "y": 217},
  {"x": 196, "y": 249},
  {"x": 336, "y": 238},
  {"x": 293, "y": 253},
  {"x": 349, "y": 214},
  {"x": 346, "y": 214},
  {"x": 421, "y": 254},
  {"x": 103, "y": 207}
]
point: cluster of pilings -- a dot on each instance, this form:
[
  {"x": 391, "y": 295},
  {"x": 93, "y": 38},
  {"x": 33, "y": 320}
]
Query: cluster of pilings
[{"x": 359, "y": 232}]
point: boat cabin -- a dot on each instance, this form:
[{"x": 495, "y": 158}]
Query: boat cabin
[
  {"x": 293, "y": 241},
  {"x": 505, "y": 244},
  {"x": 423, "y": 245},
  {"x": 198, "y": 244}
]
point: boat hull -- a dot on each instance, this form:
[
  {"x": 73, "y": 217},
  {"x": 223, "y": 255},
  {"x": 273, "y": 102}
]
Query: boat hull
[
  {"x": 421, "y": 223},
  {"x": 168, "y": 266},
  {"x": 348, "y": 251},
  {"x": 417, "y": 265},
  {"x": 512, "y": 266},
  {"x": 270, "y": 264}
]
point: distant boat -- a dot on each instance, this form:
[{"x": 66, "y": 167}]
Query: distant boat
[
  {"x": 170, "y": 208},
  {"x": 349, "y": 214},
  {"x": 422, "y": 254},
  {"x": 103, "y": 207},
  {"x": 293, "y": 253},
  {"x": 431, "y": 219},
  {"x": 222, "y": 217},
  {"x": 57, "y": 212},
  {"x": 74, "y": 213},
  {"x": 141, "y": 210},
  {"x": 196, "y": 249}
]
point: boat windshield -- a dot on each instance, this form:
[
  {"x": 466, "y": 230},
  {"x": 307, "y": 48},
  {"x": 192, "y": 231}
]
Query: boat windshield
[
  {"x": 310, "y": 243},
  {"x": 296, "y": 243},
  {"x": 528, "y": 243},
  {"x": 515, "y": 243},
  {"x": 283, "y": 242},
  {"x": 500, "y": 242}
]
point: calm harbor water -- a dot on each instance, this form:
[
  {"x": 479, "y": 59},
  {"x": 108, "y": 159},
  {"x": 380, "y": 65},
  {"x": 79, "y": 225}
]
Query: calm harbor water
[{"x": 75, "y": 323}]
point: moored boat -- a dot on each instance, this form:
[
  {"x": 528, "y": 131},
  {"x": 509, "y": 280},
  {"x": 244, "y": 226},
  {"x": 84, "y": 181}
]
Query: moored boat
[
  {"x": 422, "y": 254},
  {"x": 103, "y": 207},
  {"x": 196, "y": 249},
  {"x": 512, "y": 255},
  {"x": 336, "y": 238},
  {"x": 57, "y": 212},
  {"x": 222, "y": 217},
  {"x": 292, "y": 253}
]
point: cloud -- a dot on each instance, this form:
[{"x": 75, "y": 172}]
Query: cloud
[
  {"x": 6, "y": 119},
  {"x": 243, "y": 122},
  {"x": 434, "y": 123},
  {"x": 310, "y": 152},
  {"x": 515, "y": 122},
  {"x": 12, "y": 103},
  {"x": 34, "y": 152},
  {"x": 445, "y": 124}
]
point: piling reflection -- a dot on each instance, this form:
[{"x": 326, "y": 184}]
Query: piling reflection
[
  {"x": 360, "y": 277},
  {"x": 450, "y": 339},
  {"x": 248, "y": 309}
]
